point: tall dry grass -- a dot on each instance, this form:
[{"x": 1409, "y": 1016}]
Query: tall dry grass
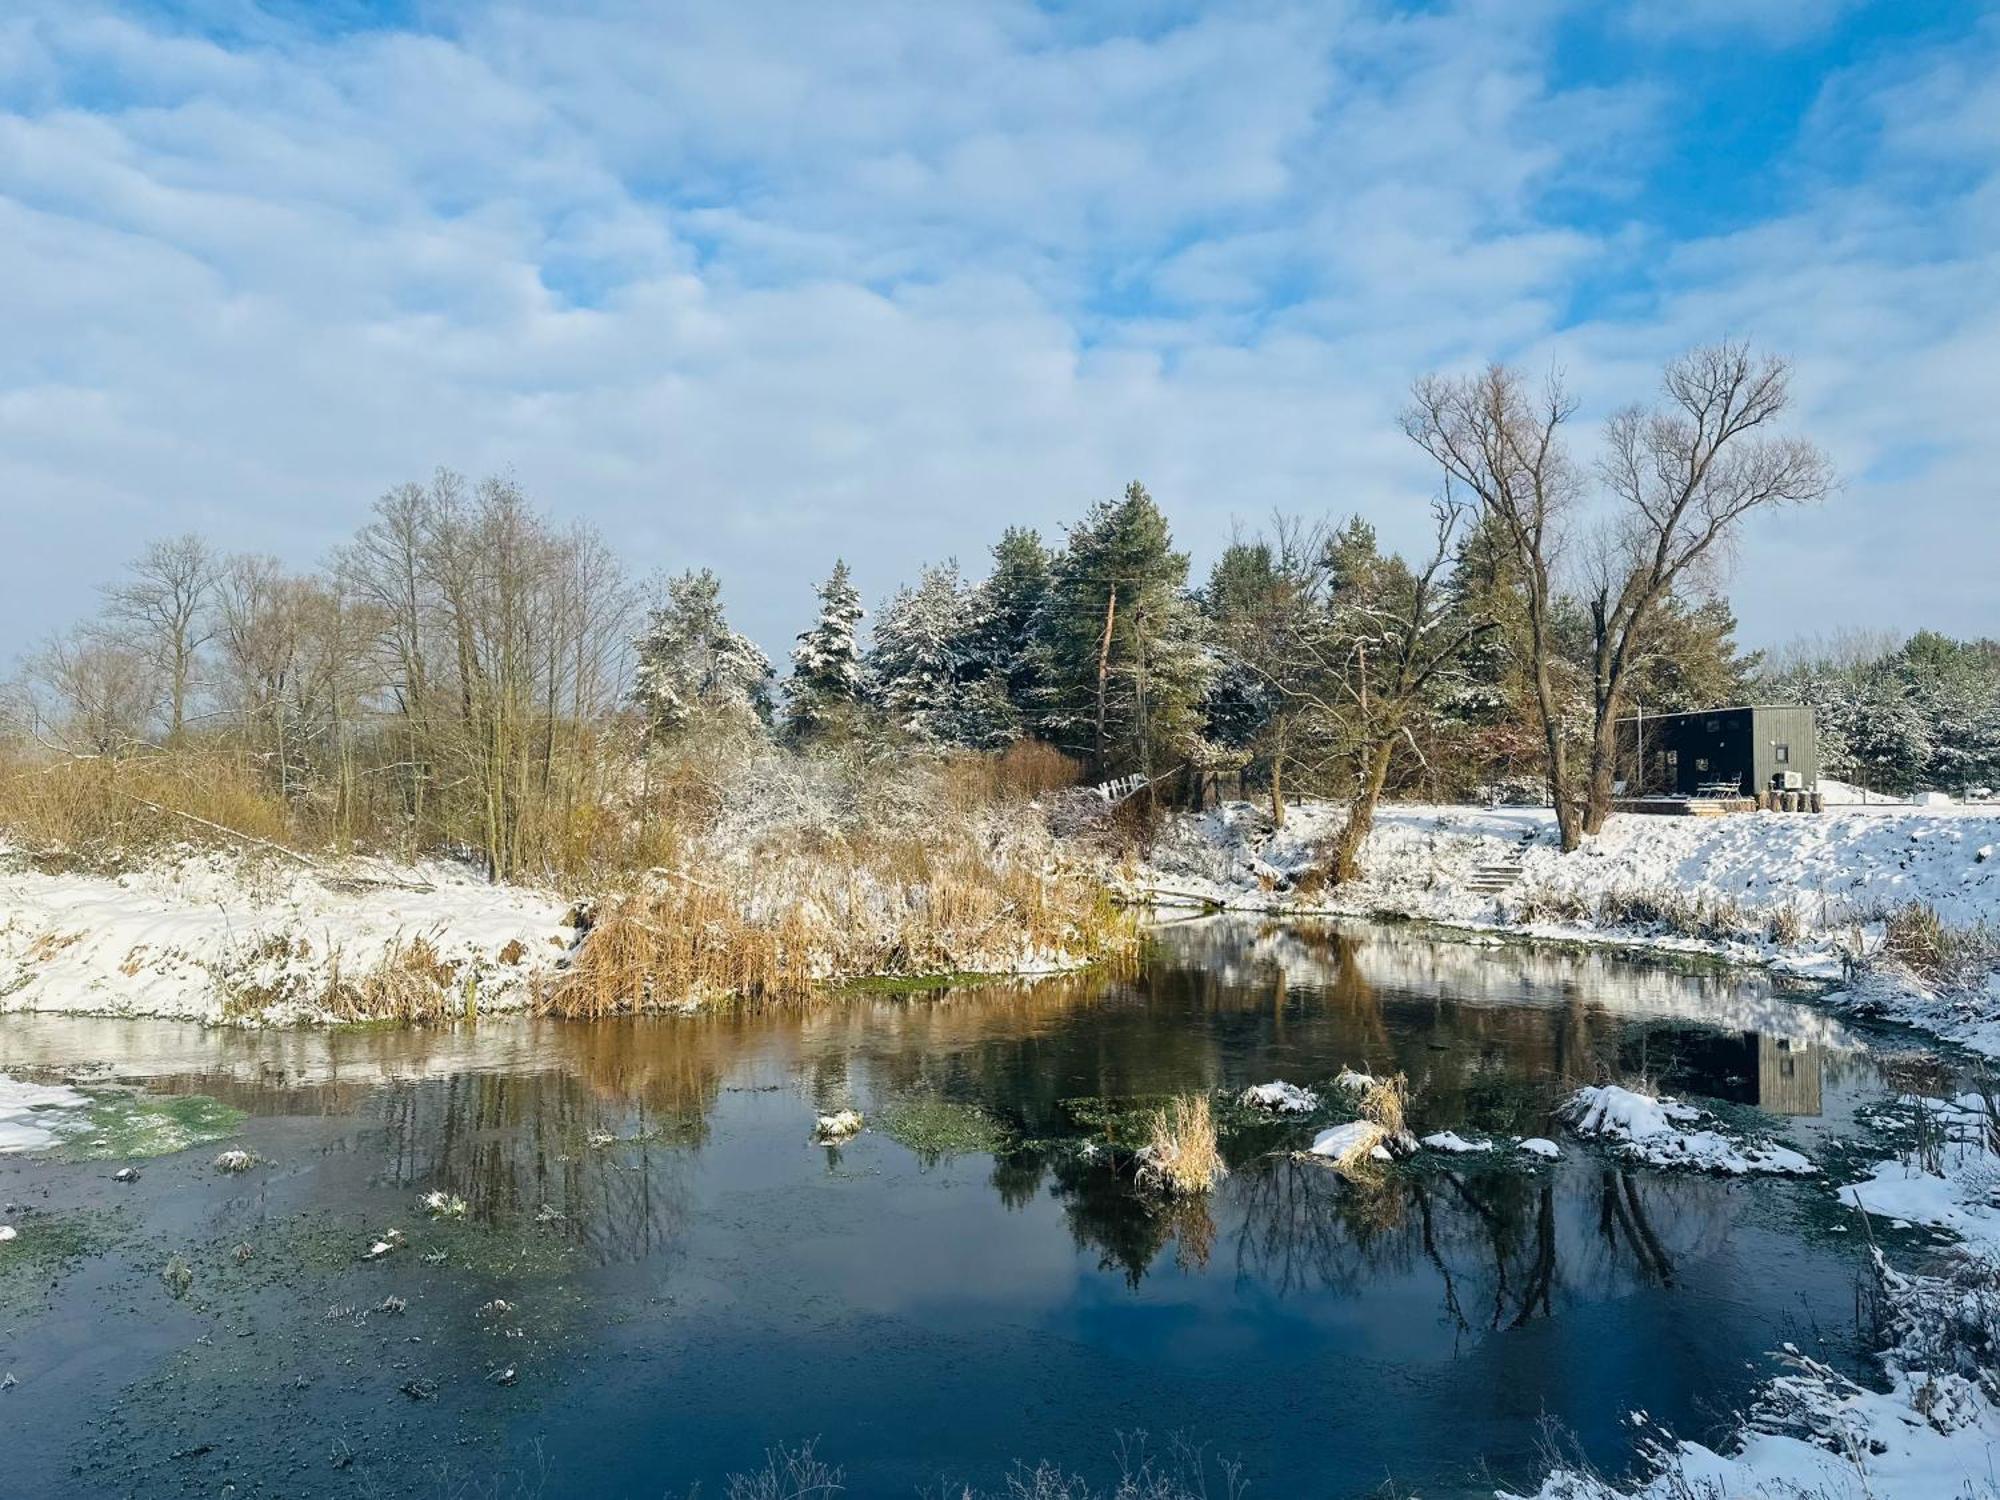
[
  {"x": 807, "y": 910},
  {"x": 105, "y": 810},
  {"x": 1182, "y": 1156}
]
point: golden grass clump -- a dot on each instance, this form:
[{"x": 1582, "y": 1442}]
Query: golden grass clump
[
  {"x": 1181, "y": 1155},
  {"x": 1385, "y": 1102}
]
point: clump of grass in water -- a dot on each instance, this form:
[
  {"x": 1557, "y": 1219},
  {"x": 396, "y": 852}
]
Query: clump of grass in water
[
  {"x": 1182, "y": 1155},
  {"x": 936, "y": 1127}
]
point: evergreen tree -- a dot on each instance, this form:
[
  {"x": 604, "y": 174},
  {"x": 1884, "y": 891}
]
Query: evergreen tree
[
  {"x": 1246, "y": 592},
  {"x": 1957, "y": 691},
  {"x": 692, "y": 666},
  {"x": 823, "y": 694},
  {"x": 920, "y": 665},
  {"x": 1120, "y": 647},
  {"x": 1006, "y": 609},
  {"x": 1692, "y": 660}
]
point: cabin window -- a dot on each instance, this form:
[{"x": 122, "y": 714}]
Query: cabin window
[
  {"x": 1701, "y": 762},
  {"x": 1782, "y": 754},
  {"x": 1712, "y": 725}
]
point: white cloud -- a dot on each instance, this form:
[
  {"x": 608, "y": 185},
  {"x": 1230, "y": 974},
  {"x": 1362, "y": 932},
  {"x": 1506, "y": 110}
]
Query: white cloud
[{"x": 750, "y": 286}]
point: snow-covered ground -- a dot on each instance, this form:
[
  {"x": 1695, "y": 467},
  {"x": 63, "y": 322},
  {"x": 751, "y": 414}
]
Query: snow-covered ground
[
  {"x": 185, "y": 936},
  {"x": 1934, "y": 1434},
  {"x": 1794, "y": 888}
]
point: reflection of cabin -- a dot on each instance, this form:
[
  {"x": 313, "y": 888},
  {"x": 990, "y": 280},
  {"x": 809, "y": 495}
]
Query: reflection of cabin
[
  {"x": 1719, "y": 752},
  {"x": 1774, "y": 1073},
  {"x": 1787, "y": 1076}
]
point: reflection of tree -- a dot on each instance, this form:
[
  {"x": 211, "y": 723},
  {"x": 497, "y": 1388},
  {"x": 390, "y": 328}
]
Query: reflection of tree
[
  {"x": 1505, "y": 1247},
  {"x": 1303, "y": 1226},
  {"x": 520, "y": 1147},
  {"x": 1127, "y": 1227}
]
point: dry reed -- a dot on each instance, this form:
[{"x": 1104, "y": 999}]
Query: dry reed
[{"x": 1181, "y": 1155}]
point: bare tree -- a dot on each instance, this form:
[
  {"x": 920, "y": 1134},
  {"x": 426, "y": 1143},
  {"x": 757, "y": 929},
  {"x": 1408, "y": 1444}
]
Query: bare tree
[
  {"x": 1682, "y": 476},
  {"x": 1504, "y": 446},
  {"x": 1406, "y": 634},
  {"x": 165, "y": 606},
  {"x": 95, "y": 691}
]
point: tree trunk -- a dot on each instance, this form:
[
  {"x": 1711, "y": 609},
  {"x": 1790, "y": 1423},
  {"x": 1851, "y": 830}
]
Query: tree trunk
[
  {"x": 1603, "y": 766},
  {"x": 1278, "y": 787},
  {"x": 1361, "y": 811},
  {"x": 1104, "y": 672}
]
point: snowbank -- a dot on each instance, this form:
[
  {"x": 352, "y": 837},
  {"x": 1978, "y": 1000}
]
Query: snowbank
[
  {"x": 1657, "y": 1131},
  {"x": 1773, "y": 887},
  {"x": 211, "y": 936}
]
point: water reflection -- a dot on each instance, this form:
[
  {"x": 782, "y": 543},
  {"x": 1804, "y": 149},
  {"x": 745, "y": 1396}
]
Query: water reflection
[{"x": 669, "y": 1161}]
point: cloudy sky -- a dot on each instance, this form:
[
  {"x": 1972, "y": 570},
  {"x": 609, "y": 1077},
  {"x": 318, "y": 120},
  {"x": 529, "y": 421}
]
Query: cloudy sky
[{"x": 750, "y": 285}]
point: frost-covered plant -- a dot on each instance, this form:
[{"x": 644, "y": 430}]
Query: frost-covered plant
[{"x": 826, "y": 681}]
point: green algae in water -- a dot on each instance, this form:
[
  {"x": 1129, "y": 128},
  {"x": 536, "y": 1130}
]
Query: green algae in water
[
  {"x": 46, "y": 1247},
  {"x": 935, "y": 1127},
  {"x": 122, "y": 1126}
]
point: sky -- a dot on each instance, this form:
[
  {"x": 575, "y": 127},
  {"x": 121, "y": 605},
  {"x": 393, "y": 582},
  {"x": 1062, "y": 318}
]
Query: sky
[{"x": 752, "y": 286}]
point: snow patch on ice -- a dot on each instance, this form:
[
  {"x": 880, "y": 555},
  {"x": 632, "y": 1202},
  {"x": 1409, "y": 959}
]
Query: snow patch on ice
[
  {"x": 1280, "y": 1098},
  {"x": 30, "y": 1112},
  {"x": 1667, "y": 1133}
]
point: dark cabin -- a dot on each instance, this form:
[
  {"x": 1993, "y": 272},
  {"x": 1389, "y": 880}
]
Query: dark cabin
[{"x": 1750, "y": 749}]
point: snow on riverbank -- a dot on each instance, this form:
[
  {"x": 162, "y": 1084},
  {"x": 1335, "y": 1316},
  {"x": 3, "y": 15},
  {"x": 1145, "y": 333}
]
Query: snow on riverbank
[
  {"x": 1787, "y": 887},
  {"x": 206, "y": 935},
  {"x": 1813, "y": 1434},
  {"x": 1952, "y": 1183}
]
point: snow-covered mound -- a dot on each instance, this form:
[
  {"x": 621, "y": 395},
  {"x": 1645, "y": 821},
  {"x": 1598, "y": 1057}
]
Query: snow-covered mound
[
  {"x": 1352, "y": 1141},
  {"x": 1667, "y": 1133},
  {"x": 1280, "y": 1098},
  {"x": 210, "y": 936},
  {"x": 1454, "y": 1144}
]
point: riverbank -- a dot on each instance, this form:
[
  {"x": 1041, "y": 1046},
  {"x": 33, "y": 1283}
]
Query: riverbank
[
  {"x": 254, "y": 939},
  {"x": 1816, "y": 895}
]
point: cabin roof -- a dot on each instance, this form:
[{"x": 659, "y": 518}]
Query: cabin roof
[{"x": 1733, "y": 708}]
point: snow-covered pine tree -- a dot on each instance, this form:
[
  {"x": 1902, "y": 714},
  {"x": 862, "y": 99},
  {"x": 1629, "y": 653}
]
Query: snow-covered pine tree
[
  {"x": 692, "y": 667},
  {"x": 823, "y": 694},
  {"x": 920, "y": 666}
]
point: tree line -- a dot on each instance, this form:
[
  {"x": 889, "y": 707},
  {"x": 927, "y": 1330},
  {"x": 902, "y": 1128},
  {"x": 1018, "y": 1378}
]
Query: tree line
[{"x": 468, "y": 675}]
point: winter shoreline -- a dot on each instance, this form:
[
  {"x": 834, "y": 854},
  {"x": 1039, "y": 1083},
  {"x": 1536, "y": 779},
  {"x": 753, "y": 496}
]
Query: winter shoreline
[{"x": 1804, "y": 896}]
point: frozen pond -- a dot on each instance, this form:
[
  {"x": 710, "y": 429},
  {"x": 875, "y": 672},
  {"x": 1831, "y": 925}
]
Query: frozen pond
[{"x": 656, "y": 1276}]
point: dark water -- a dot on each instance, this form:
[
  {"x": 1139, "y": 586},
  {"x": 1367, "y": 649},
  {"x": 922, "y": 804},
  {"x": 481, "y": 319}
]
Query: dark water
[{"x": 706, "y": 1283}]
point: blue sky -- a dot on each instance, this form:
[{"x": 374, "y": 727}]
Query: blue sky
[{"x": 750, "y": 286}]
